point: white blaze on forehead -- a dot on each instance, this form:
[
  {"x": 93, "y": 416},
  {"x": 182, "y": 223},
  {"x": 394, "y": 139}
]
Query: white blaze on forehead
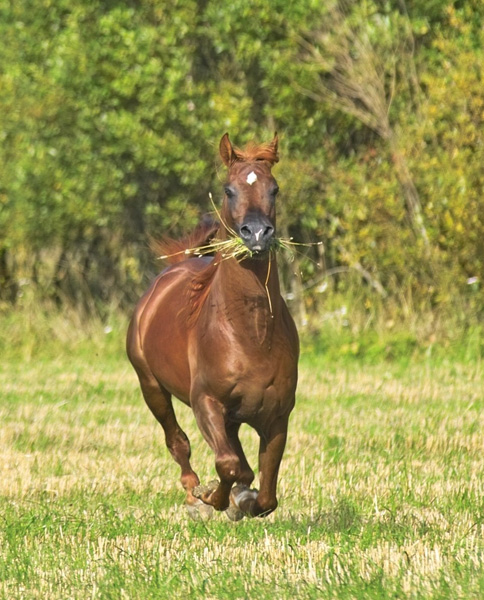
[{"x": 251, "y": 178}]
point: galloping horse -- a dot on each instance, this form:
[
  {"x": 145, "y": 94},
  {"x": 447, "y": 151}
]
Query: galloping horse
[{"x": 216, "y": 333}]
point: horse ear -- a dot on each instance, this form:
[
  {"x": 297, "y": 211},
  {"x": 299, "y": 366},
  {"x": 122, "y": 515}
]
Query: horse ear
[
  {"x": 226, "y": 150},
  {"x": 274, "y": 145}
]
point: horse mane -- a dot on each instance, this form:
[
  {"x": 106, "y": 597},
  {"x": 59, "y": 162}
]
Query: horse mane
[
  {"x": 198, "y": 291},
  {"x": 174, "y": 250},
  {"x": 254, "y": 152}
]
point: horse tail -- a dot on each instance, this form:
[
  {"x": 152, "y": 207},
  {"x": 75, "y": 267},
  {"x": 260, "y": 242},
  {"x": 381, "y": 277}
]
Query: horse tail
[{"x": 174, "y": 251}]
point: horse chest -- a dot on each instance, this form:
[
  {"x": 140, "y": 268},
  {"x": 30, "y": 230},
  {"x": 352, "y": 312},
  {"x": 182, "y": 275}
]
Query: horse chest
[
  {"x": 250, "y": 378},
  {"x": 258, "y": 400},
  {"x": 251, "y": 324},
  {"x": 246, "y": 359}
]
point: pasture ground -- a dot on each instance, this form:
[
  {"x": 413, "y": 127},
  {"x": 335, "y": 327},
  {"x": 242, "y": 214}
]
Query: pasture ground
[{"x": 381, "y": 489}]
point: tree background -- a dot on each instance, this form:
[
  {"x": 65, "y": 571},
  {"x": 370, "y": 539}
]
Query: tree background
[{"x": 111, "y": 113}]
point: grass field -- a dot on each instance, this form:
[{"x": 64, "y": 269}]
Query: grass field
[{"x": 381, "y": 489}]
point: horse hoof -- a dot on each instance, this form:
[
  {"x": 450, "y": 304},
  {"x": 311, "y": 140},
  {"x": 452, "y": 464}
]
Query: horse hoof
[
  {"x": 234, "y": 513},
  {"x": 241, "y": 499},
  {"x": 203, "y": 491},
  {"x": 199, "y": 511}
]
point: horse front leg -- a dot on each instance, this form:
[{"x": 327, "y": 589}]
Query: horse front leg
[
  {"x": 271, "y": 449},
  {"x": 210, "y": 415}
]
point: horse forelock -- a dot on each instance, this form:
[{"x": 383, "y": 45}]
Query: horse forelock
[{"x": 255, "y": 152}]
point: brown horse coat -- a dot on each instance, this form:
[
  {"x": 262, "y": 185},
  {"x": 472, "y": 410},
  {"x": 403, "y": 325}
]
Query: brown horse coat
[{"x": 217, "y": 334}]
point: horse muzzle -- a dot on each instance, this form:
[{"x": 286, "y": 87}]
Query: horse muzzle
[{"x": 257, "y": 235}]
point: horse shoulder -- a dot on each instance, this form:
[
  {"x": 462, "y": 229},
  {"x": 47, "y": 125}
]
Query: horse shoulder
[{"x": 163, "y": 304}]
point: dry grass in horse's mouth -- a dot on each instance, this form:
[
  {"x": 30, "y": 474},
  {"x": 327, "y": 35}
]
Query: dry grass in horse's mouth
[{"x": 234, "y": 247}]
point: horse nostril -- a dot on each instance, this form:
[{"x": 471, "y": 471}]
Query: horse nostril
[
  {"x": 245, "y": 232},
  {"x": 268, "y": 231}
]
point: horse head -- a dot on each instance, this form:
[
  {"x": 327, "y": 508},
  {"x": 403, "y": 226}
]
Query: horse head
[{"x": 248, "y": 208}]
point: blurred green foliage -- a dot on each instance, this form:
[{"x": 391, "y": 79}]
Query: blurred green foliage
[{"x": 111, "y": 113}]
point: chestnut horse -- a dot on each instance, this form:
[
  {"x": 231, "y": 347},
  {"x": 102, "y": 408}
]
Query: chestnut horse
[{"x": 216, "y": 333}]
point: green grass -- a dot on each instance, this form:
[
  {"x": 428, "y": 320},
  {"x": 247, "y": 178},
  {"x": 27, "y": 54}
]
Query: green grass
[{"x": 381, "y": 488}]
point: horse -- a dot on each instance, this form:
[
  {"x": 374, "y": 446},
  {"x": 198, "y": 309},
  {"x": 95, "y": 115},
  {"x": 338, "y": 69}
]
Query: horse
[{"x": 215, "y": 332}]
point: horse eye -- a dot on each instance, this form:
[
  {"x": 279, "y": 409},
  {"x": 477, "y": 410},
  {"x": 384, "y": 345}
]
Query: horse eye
[
  {"x": 275, "y": 191},
  {"x": 229, "y": 192}
]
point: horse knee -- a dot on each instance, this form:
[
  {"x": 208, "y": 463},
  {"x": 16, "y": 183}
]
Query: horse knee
[{"x": 228, "y": 468}]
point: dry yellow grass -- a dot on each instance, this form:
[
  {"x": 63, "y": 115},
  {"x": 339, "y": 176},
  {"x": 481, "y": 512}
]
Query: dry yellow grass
[{"x": 381, "y": 491}]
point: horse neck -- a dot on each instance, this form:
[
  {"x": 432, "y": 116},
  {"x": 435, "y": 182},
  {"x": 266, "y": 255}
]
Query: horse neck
[
  {"x": 249, "y": 277},
  {"x": 250, "y": 294}
]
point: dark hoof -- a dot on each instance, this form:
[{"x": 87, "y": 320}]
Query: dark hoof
[
  {"x": 241, "y": 499},
  {"x": 234, "y": 513}
]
